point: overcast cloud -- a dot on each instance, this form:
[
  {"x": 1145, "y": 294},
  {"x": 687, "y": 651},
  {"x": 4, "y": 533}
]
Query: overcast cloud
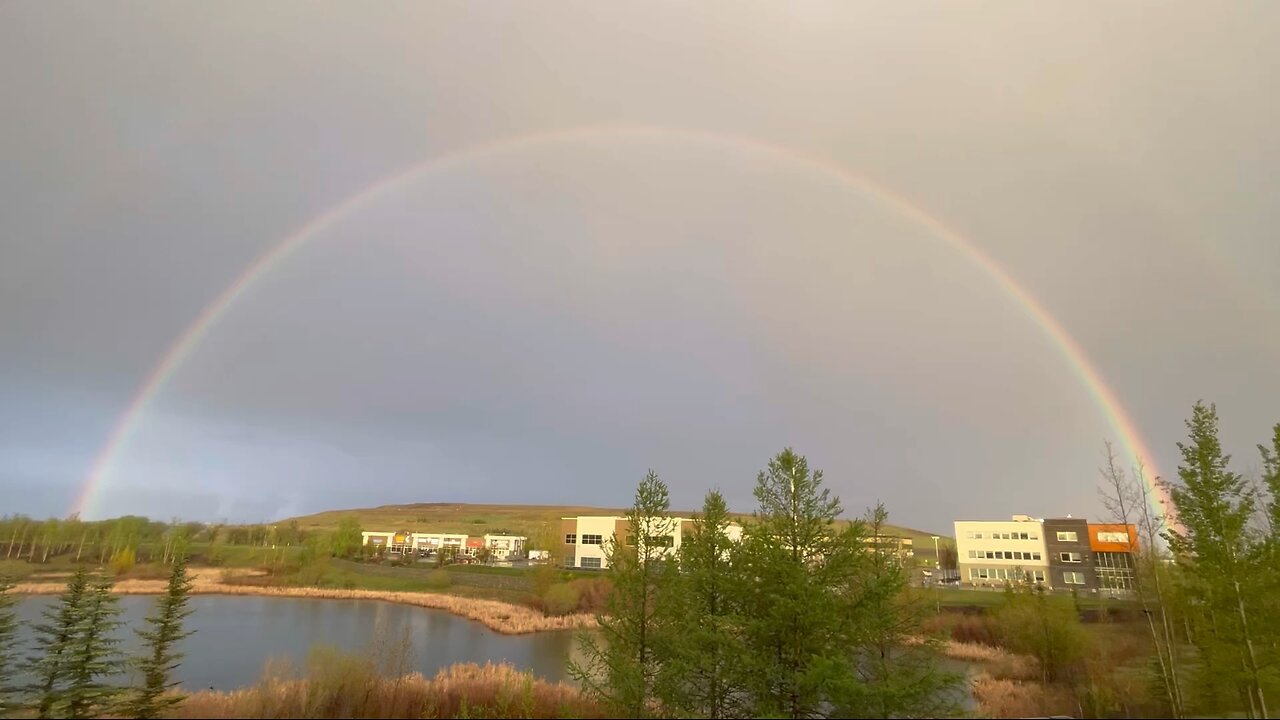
[{"x": 544, "y": 324}]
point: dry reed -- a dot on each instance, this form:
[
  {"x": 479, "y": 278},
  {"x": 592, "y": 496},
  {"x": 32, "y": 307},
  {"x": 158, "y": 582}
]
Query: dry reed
[{"x": 343, "y": 686}]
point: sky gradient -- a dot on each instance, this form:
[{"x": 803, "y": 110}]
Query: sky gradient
[{"x": 546, "y": 321}]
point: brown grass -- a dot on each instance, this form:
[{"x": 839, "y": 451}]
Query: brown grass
[
  {"x": 344, "y": 686},
  {"x": 1003, "y": 698},
  {"x": 498, "y": 616}
]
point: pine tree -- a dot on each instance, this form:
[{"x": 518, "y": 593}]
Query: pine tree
[
  {"x": 1214, "y": 506},
  {"x": 93, "y": 654},
  {"x": 54, "y": 639},
  {"x": 620, "y": 669},
  {"x": 159, "y": 640},
  {"x": 797, "y": 567},
  {"x": 699, "y": 676},
  {"x": 895, "y": 673},
  {"x": 8, "y": 645}
]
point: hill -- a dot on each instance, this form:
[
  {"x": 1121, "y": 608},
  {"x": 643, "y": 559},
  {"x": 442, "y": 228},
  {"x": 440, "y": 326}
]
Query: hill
[{"x": 527, "y": 520}]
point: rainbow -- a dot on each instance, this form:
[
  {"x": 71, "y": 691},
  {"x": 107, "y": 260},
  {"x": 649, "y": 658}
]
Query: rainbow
[{"x": 186, "y": 343}]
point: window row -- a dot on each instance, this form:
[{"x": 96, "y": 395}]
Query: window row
[
  {"x": 1003, "y": 555},
  {"x": 1070, "y": 557},
  {"x": 589, "y": 562},
  {"x": 1005, "y": 574},
  {"x": 654, "y": 541},
  {"x": 587, "y": 539},
  {"x": 1073, "y": 578},
  {"x": 1068, "y": 536},
  {"x": 978, "y": 535}
]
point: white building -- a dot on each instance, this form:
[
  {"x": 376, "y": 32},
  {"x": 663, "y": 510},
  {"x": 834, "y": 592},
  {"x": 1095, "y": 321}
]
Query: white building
[
  {"x": 585, "y": 537},
  {"x": 505, "y": 547},
  {"x": 994, "y": 552}
]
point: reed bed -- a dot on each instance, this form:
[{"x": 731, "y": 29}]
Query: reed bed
[
  {"x": 498, "y": 616},
  {"x": 344, "y": 687}
]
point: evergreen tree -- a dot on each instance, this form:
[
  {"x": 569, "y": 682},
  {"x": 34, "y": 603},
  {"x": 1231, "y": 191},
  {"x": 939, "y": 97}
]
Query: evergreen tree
[
  {"x": 159, "y": 640},
  {"x": 797, "y": 566},
  {"x": 698, "y": 677},
  {"x": 1214, "y": 506},
  {"x": 8, "y": 645},
  {"x": 1271, "y": 480},
  {"x": 93, "y": 655},
  {"x": 620, "y": 669},
  {"x": 896, "y": 673},
  {"x": 54, "y": 639}
]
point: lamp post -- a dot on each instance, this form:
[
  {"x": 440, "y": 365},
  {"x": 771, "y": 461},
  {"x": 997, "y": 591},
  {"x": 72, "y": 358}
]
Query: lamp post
[{"x": 937, "y": 569}]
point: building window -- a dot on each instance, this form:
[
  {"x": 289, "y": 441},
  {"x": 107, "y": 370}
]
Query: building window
[
  {"x": 973, "y": 573},
  {"x": 1035, "y": 556},
  {"x": 592, "y": 539},
  {"x": 590, "y": 562},
  {"x": 1069, "y": 557},
  {"x": 1073, "y": 578},
  {"x": 1023, "y": 536},
  {"x": 1039, "y": 575},
  {"x": 631, "y": 540},
  {"x": 977, "y": 536},
  {"x": 1114, "y": 537},
  {"x": 1017, "y": 554},
  {"x": 969, "y": 534},
  {"x": 1008, "y": 555},
  {"x": 1068, "y": 537},
  {"x": 973, "y": 554},
  {"x": 665, "y": 541},
  {"x": 1033, "y": 536},
  {"x": 571, "y": 539}
]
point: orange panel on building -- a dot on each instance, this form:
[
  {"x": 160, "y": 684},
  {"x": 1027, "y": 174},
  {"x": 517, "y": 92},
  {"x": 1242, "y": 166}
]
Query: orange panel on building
[
  {"x": 1113, "y": 537},
  {"x": 475, "y": 542}
]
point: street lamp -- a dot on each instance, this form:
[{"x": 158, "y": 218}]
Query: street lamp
[{"x": 937, "y": 568}]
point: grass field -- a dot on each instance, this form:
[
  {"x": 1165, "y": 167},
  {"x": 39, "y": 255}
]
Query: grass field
[{"x": 528, "y": 520}]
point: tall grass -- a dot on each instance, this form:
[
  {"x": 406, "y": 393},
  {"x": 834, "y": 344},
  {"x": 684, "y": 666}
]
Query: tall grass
[{"x": 342, "y": 686}]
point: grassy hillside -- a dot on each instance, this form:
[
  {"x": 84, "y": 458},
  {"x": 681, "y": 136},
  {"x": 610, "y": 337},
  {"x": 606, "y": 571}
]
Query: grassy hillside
[{"x": 480, "y": 519}]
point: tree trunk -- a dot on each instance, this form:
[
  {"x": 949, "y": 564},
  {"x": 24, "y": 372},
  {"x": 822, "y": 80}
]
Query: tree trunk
[
  {"x": 83, "y": 537},
  {"x": 1250, "y": 657},
  {"x": 12, "y": 538}
]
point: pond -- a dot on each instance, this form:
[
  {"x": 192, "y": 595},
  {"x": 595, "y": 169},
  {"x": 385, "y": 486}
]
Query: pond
[{"x": 236, "y": 635}]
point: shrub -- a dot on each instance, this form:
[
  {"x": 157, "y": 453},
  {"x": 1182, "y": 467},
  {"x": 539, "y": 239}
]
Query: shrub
[
  {"x": 439, "y": 579},
  {"x": 560, "y": 599},
  {"x": 979, "y": 628},
  {"x": 593, "y": 593},
  {"x": 122, "y": 561}
]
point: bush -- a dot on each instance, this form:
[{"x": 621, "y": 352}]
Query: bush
[
  {"x": 439, "y": 579},
  {"x": 593, "y": 593},
  {"x": 123, "y": 561},
  {"x": 979, "y": 628},
  {"x": 560, "y": 599}
]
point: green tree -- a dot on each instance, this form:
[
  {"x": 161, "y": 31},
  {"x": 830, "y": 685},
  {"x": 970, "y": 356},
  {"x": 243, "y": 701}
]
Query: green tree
[
  {"x": 895, "y": 674},
  {"x": 347, "y": 538},
  {"x": 798, "y": 567},
  {"x": 620, "y": 667},
  {"x": 159, "y": 640},
  {"x": 93, "y": 654},
  {"x": 1214, "y": 507},
  {"x": 698, "y": 676},
  {"x": 8, "y": 645},
  {"x": 54, "y": 640}
]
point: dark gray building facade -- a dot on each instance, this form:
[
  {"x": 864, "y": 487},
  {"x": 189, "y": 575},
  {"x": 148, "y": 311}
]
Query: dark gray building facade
[{"x": 1070, "y": 559}]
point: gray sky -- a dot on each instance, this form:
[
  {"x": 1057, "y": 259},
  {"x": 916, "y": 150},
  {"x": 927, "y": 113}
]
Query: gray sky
[{"x": 544, "y": 323}]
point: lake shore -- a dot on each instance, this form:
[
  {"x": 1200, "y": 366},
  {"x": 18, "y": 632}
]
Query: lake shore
[{"x": 498, "y": 616}]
